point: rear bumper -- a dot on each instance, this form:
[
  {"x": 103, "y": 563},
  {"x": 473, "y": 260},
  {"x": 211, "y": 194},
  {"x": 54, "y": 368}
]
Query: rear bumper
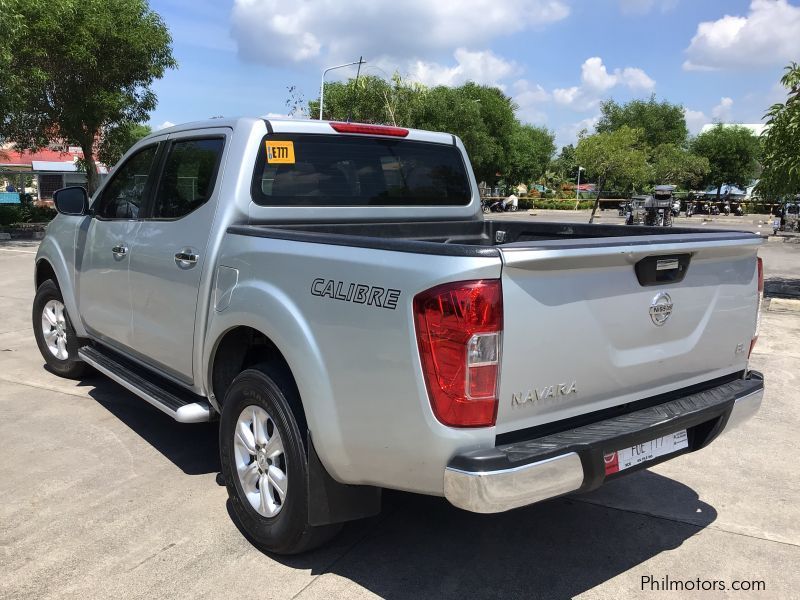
[{"x": 513, "y": 475}]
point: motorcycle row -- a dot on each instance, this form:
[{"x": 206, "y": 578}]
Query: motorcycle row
[{"x": 660, "y": 208}]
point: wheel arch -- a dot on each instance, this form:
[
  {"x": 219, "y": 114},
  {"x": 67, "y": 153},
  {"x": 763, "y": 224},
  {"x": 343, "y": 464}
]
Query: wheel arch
[{"x": 51, "y": 263}]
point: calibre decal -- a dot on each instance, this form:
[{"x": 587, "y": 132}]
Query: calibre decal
[{"x": 357, "y": 293}]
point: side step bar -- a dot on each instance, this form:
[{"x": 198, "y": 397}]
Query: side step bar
[{"x": 183, "y": 406}]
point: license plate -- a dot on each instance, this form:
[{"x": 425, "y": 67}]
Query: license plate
[{"x": 640, "y": 453}]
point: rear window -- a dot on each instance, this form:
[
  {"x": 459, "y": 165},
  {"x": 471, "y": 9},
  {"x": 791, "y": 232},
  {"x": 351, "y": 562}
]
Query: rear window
[{"x": 342, "y": 170}]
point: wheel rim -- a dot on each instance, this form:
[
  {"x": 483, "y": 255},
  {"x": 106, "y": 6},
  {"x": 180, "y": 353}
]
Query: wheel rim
[
  {"x": 260, "y": 461},
  {"x": 54, "y": 329}
]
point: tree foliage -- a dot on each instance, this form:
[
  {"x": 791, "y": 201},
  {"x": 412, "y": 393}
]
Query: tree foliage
[
  {"x": 79, "y": 67},
  {"x": 659, "y": 122},
  {"x": 566, "y": 165},
  {"x": 529, "y": 154},
  {"x": 482, "y": 116},
  {"x": 117, "y": 139},
  {"x": 673, "y": 164},
  {"x": 781, "y": 141},
  {"x": 617, "y": 158},
  {"x": 732, "y": 154}
]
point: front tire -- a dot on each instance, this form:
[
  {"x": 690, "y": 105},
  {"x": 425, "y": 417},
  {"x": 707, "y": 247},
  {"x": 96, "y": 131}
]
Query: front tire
[
  {"x": 265, "y": 462},
  {"x": 55, "y": 336}
]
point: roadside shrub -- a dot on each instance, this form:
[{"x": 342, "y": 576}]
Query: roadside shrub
[
  {"x": 563, "y": 204},
  {"x": 526, "y": 203},
  {"x": 9, "y": 215}
]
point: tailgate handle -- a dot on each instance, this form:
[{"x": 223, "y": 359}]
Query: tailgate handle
[{"x": 658, "y": 270}]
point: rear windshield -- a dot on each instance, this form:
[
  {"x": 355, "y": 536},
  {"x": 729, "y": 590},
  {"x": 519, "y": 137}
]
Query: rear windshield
[{"x": 343, "y": 170}]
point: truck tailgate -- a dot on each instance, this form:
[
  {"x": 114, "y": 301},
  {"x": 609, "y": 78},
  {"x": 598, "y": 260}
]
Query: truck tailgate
[{"x": 586, "y": 329}]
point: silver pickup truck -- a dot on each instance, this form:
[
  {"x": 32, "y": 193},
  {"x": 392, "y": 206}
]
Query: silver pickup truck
[{"x": 331, "y": 292}]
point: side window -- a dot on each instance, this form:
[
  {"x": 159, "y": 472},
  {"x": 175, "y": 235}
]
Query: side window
[
  {"x": 124, "y": 194},
  {"x": 188, "y": 178}
]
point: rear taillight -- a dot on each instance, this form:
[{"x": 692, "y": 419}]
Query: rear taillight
[
  {"x": 369, "y": 129},
  {"x": 459, "y": 326},
  {"x": 760, "y": 302}
]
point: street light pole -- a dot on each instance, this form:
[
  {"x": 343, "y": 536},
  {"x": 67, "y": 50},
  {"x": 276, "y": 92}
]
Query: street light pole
[
  {"x": 578, "y": 188},
  {"x": 359, "y": 62}
]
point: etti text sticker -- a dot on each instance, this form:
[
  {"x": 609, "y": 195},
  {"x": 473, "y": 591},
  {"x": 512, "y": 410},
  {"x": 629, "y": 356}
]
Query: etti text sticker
[{"x": 280, "y": 153}]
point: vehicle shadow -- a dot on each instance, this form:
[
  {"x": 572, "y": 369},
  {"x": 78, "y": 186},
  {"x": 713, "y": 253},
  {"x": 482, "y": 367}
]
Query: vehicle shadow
[
  {"x": 193, "y": 448},
  {"x": 422, "y": 547},
  {"x": 782, "y": 287}
]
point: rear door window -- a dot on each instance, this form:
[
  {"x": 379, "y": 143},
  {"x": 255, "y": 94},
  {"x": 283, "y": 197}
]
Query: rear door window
[
  {"x": 342, "y": 170},
  {"x": 187, "y": 181}
]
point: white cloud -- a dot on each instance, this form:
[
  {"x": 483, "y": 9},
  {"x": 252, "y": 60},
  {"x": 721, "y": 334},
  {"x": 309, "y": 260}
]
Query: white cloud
[
  {"x": 695, "y": 119},
  {"x": 768, "y": 35},
  {"x": 273, "y": 32},
  {"x": 722, "y": 111},
  {"x": 569, "y": 133},
  {"x": 481, "y": 67},
  {"x": 642, "y": 7},
  {"x": 596, "y": 80},
  {"x": 163, "y": 125},
  {"x": 529, "y": 98},
  {"x": 595, "y": 75}
]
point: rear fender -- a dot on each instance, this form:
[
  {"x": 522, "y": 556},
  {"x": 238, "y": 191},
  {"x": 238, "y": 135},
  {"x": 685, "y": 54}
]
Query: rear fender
[{"x": 265, "y": 308}]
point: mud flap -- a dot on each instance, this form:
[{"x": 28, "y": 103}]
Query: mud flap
[{"x": 332, "y": 502}]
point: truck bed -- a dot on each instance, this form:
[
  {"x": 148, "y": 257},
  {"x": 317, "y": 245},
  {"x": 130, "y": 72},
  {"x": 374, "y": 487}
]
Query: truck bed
[{"x": 481, "y": 237}]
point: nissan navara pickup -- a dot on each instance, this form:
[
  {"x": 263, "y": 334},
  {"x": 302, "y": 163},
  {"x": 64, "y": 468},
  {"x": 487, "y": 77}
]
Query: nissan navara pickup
[{"x": 332, "y": 294}]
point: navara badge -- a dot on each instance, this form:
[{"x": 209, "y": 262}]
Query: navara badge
[{"x": 660, "y": 309}]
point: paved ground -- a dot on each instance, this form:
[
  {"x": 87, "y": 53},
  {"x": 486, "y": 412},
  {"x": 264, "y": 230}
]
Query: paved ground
[{"x": 102, "y": 496}]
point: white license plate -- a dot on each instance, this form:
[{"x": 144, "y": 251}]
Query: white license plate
[{"x": 640, "y": 453}]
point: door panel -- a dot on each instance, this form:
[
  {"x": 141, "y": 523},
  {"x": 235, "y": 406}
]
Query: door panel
[
  {"x": 169, "y": 253},
  {"x": 104, "y": 297},
  {"x": 104, "y": 291}
]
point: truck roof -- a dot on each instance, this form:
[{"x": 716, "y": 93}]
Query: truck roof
[{"x": 288, "y": 125}]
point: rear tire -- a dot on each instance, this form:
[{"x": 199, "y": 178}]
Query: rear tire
[
  {"x": 265, "y": 462},
  {"x": 55, "y": 336}
]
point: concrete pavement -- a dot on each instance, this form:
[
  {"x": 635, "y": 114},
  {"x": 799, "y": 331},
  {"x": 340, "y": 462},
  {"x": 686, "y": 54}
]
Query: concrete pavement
[{"x": 103, "y": 496}]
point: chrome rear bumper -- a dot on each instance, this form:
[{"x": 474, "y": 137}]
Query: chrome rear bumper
[{"x": 514, "y": 475}]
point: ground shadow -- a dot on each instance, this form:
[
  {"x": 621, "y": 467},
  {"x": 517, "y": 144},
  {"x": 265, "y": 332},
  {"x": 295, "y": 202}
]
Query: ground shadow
[
  {"x": 193, "y": 448},
  {"x": 422, "y": 547},
  {"x": 782, "y": 287}
]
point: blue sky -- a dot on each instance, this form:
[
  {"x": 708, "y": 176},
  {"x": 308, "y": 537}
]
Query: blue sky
[{"x": 557, "y": 58}]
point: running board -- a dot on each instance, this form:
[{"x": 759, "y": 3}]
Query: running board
[{"x": 183, "y": 406}]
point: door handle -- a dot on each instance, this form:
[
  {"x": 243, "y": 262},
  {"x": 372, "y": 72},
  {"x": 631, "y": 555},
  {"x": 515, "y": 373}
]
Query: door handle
[
  {"x": 186, "y": 258},
  {"x": 119, "y": 250}
]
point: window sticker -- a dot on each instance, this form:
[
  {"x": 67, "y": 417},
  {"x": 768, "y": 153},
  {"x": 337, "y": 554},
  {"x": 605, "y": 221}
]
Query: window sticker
[{"x": 280, "y": 153}]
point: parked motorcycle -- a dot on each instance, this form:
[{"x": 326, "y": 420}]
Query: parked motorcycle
[
  {"x": 510, "y": 204},
  {"x": 676, "y": 207}
]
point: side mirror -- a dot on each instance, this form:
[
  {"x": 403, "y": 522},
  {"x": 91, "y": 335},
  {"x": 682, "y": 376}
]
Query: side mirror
[{"x": 71, "y": 201}]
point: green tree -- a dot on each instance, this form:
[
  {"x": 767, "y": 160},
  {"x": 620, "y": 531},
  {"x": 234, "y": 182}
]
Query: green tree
[
  {"x": 673, "y": 164},
  {"x": 660, "y": 122},
  {"x": 482, "y": 116},
  {"x": 116, "y": 141},
  {"x": 732, "y": 154},
  {"x": 566, "y": 165},
  {"x": 781, "y": 141},
  {"x": 529, "y": 154},
  {"x": 79, "y": 67},
  {"x": 617, "y": 158}
]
